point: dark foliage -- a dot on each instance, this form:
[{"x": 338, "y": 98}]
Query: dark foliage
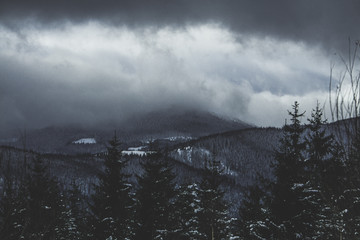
[
  {"x": 112, "y": 207},
  {"x": 186, "y": 212},
  {"x": 213, "y": 215},
  {"x": 155, "y": 197},
  {"x": 312, "y": 190}
]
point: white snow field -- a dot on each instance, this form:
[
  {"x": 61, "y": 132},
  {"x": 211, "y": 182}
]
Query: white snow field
[{"x": 85, "y": 141}]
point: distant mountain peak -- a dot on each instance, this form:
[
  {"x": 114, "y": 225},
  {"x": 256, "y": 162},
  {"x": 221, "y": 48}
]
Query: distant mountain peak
[{"x": 160, "y": 124}]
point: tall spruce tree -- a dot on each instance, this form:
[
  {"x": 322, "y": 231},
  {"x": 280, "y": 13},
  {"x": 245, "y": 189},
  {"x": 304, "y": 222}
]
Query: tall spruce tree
[
  {"x": 155, "y": 199},
  {"x": 331, "y": 197},
  {"x": 213, "y": 215},
  {"x": 316, "y": 213},
  {"x": 73, "y": 215},
  {"x": 286, "y": 206},
  {"x": 44, "y": 204},
  {"x": 186, "y": 209},
  {"x": 112, "y": 208},
  {"x": 334, "y": 178},
  {"x": 13, "y": 208},
  {"x": 352, "y": 189},
  {"x": 254, "y": 215},
  {"x": 13, "y": 200}
]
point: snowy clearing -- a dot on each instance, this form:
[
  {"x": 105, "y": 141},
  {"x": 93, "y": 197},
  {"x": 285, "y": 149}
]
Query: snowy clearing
[{"x": 85, "y": 141}]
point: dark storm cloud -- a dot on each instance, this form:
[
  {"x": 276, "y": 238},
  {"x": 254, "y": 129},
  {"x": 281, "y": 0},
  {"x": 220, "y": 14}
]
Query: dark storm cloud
[
  {"x": 49, "y": 78},
  {"x": 89, "y": 61},
  {"x": 324, "y": 22}
]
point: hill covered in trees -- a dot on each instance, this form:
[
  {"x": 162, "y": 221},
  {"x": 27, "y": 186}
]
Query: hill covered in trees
[
  {"x": 166, "y": 124},
  {"x": 256, "y": 183}
]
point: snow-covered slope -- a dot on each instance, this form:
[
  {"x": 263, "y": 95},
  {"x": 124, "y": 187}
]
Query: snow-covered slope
[
  {"x": 243, "y": 154},
  {"x": 85, "y": 141}
]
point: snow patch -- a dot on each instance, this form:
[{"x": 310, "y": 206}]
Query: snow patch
[
  {"x": 187, "y": 152},
  {"x": 175, "y": 138},
  {"x": 136, "y": 151},
  {"x": 227, "y": 170},
  {"x": 136, "y": 148},
  {"x": 85, "y": 141}
]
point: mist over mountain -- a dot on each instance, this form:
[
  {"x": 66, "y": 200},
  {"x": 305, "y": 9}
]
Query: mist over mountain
[
  {"x": 192, "y": 123},
  {"x": 174, "y": 122}
]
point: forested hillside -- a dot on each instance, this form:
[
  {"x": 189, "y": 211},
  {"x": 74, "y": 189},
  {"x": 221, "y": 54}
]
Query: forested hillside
[
  {"x": 244, "y": 154},
  {"x": 296, "y": 182},
  {"x": 165, "y": 124}
]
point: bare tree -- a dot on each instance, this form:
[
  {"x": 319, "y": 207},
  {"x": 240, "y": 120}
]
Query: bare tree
[
  {"x": 344, "y": 99},
  {"x": 344, "y": 95}
]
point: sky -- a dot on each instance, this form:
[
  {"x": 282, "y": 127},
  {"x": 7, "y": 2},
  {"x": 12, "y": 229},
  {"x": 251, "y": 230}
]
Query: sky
[{"x": 89, "y": 62}]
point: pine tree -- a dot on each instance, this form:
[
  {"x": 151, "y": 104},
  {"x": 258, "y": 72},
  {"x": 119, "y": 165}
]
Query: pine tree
[
  {"x": 73, "y": 226},
  {"x": 254, "y": 215},
  {"x": 187, "y": 207},
  {"x": 332, "y": 192},
  {"x": 155, "y": 200},
  {"x": 12, "y": 209},
  {"x": 333, "y": 185},
  {"x": 44, "y": 204},
  {"x": 316, "y": 213},
  {"x": 289, "y": 158},
  {"x": 213, "y": 215},
  {"x": 352, "y": 189},
  {"x": 13, "y": 206},
  {"x": 112, "y": 208}
]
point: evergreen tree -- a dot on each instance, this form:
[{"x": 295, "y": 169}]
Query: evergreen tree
[
  {"x": 333, "y": 185},
  {"x": 12, "y": 209},
  {"x": 12, "y": 201},
  {"x": 213, "y": 215},
  {"x": 73, "y": 216},
  {"x": 316, "y": 213},
  {"x": 331, "y": 197},
  {"x": 112, "y": 208},
  {"x": 187, "y": 207},
  {"x": 155, "y": 200},
  {"x": 44, "y": 205},
  {"x": 286, "y": 206},
  {"x": 254, "y": 215},
  {"x": 352, "y": 189},
  {"x": 7, "y": 207}
]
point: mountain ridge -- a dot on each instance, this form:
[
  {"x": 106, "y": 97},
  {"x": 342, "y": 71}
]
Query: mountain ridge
[{"x": 162, "y": 124}]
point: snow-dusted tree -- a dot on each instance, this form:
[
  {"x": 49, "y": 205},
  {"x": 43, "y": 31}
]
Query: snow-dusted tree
[
  {"x": 352, "y": 190},
  {"x": 317, "y": 213},
  {"x": 12, "y": 209},
  {"x": 333, "y": 185},
  {"x": 213, "y": 215},
  {"x": 329, "y": 194},
  {"x": 288, "y": 170},
  {"x": 112, "y": 207},
  {"x": 44, "y": 204},
  {"x": 345, "y": 108},
  {"x": 155, "y": 199},
  {"x": 13, "y": 196},
  {"x": 186, "y": 209},
  {"x": 254, "y": 215},
  {"x": 73, "y": 216}
]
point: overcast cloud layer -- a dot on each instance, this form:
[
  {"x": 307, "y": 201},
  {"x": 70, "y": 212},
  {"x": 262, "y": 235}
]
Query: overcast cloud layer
[
  {"x": 92, "y": 61},
  {"x": 324, "y": 22}
]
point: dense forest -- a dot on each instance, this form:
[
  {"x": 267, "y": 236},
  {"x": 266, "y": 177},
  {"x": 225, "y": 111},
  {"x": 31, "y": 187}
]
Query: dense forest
[{"x": 309, "y": 191}]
